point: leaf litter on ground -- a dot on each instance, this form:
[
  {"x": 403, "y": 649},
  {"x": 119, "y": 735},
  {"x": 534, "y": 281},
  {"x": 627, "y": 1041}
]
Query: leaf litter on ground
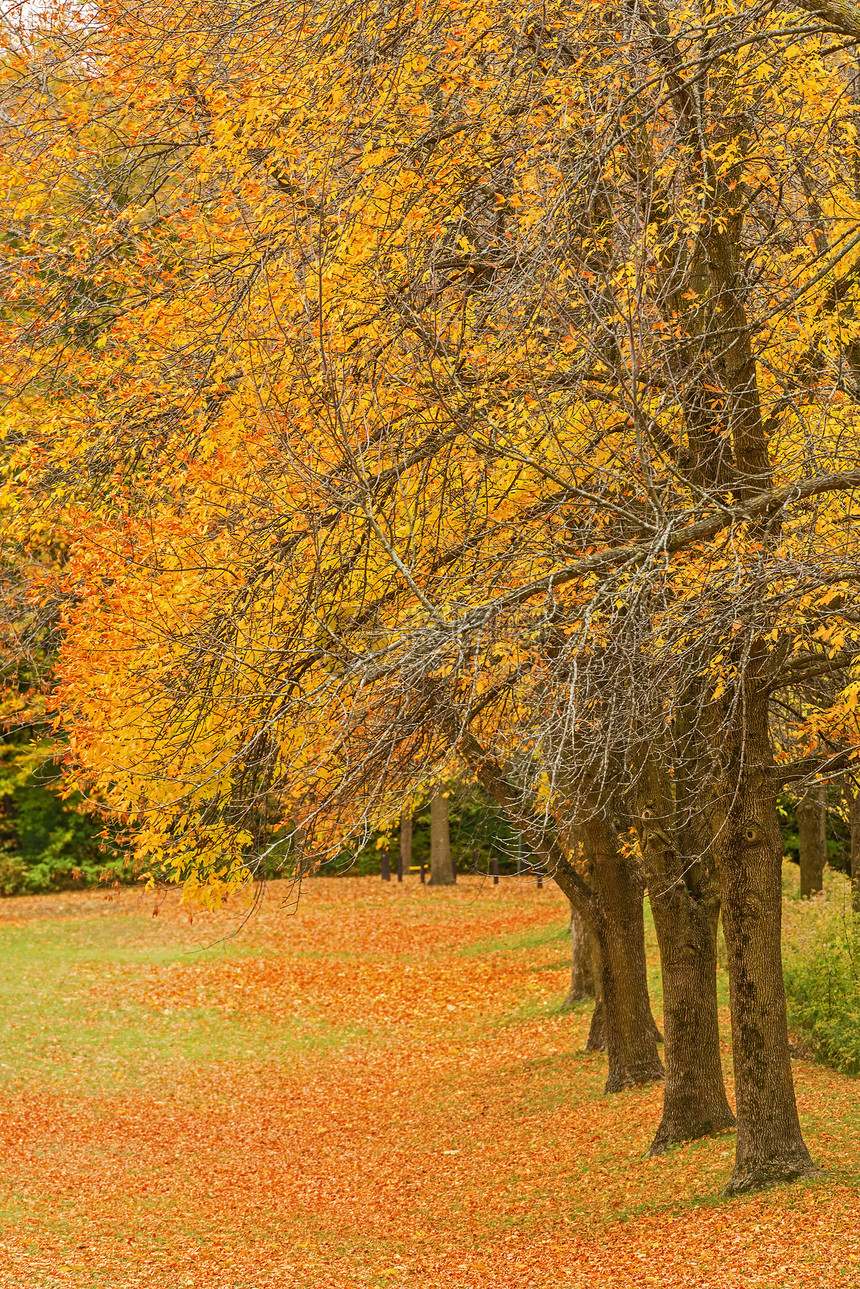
[{"x": 374, "y": 1087}]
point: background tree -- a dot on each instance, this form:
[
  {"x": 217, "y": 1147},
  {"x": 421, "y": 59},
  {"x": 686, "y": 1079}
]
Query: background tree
[
  {"x": 441, "y": 861},
  {"x": 812, "y": 839}
]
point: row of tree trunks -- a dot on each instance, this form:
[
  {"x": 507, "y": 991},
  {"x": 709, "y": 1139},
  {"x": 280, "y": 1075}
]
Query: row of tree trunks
[
  {"x": 695, "y": 1103},
  {"x": 742, "y": 838},
  {"x": 746, "y": 844},
  {"x": 608, "y": 894}
]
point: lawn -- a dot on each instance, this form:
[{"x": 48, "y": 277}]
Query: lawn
[{"x": 370, "y": 1087}]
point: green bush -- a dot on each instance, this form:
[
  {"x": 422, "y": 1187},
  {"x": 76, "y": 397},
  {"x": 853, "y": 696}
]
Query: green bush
[
  {"x": 822, "y": 978},
  {"x": 48, "y": 842}
]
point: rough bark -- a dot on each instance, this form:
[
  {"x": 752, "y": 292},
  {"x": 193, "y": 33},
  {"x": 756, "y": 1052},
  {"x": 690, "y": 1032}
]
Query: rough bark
[
  {"x": 441, "y": 863},
  {"x": 844, "y": 15},
  {"x": 694, "y": 1102},
  {"x": 619, "y": 927},
  {"x": 581, "y": 965},
  {"x": 596, "y": 1041},
  {"x": 748, "y": 847},
  {"x": 685, "y": 905},
  {"x": 812, "y": 839},
  {"x": 405, "y": 843}
]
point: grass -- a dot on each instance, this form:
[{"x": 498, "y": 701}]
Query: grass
[
  {"x": 521, "y": 942},
  {"x": 376, "y": 1090},
  {"x": 57, "y": 1027}
]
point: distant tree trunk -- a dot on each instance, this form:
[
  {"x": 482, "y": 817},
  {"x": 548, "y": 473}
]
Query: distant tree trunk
[
  {"x": 596, "y": 1041},
  {"x": 405, "y": 842},
  {"x": 748, "y": 847},
  {"x": 441, "y": 864},
  {"x": 619, "y": 927},
  {"x": 853, "y": 794},
  {"x": 812, "y": 839},
  {"x": 582, "y": 966}
]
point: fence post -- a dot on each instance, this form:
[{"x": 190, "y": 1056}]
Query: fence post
[{"x": 386, "y": 866}]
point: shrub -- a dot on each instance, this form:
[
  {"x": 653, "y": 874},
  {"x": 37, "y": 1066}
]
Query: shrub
[
  {"x": 822, "y": 978},
  {"x": 48, "y": 842}
]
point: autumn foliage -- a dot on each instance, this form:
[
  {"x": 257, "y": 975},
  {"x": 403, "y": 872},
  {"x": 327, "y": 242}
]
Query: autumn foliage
[{"x": 455, "y": 389}]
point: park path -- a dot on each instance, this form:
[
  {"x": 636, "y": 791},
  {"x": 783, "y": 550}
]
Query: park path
[{"x": 370, "y": 1088}]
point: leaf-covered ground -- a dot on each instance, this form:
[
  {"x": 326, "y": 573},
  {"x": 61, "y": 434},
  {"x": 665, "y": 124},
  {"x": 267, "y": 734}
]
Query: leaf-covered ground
[{"x": 374, "y": 1088}]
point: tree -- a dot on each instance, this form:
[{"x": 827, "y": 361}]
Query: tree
[
  {"x": 677, "y": 853},
  {"x": 405, "y": 840},
  {"x": 583, "y": 967},
  {"x": 441, "y": 861},
  {"x": 812, "y": 839},
  {"x": 473, "y": 391}
]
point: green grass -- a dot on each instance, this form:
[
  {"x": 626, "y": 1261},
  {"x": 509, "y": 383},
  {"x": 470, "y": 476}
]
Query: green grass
[
  {"x": 517, "y": 941},
  {"x": 55, "y": 1031}
]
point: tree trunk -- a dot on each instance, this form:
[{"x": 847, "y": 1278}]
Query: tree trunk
[
  {"x": 812, "y": 839},
  {"x": 685, "y": 904},
  {"x": 581, "y": 969},
  {"x": 748, "y": 847},
  {"x": 596, "y": 1041},
  {"x": 405, "y": 843},
  {"x": 620, "y": 932},
  {"x": 694, "y": 1102},
  {"x": 853, "y": 793},
  {"x": 441, "y": 865},
  {"x": 612, "y": 899}
]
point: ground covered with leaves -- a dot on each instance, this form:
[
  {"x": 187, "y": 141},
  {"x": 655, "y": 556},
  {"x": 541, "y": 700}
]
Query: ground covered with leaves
[{"x": 372, "y": 1087}]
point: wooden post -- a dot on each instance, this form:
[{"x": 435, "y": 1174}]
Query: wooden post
[
  {"x": 495, "y": 869},
  {"x": 386, "y": 866}
]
